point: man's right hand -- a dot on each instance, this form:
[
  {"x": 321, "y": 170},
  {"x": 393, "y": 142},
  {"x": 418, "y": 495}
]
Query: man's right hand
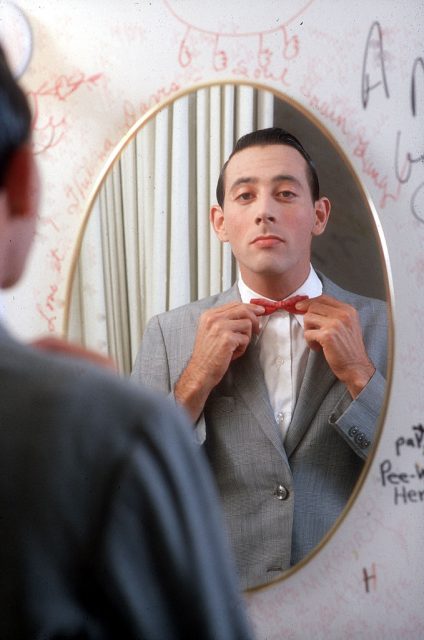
[{"x": 223, "y": 335}]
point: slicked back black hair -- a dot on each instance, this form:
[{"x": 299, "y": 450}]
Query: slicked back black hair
[
  {"x": 271, "y": 136},
  {"x": 15, "y": 116}
]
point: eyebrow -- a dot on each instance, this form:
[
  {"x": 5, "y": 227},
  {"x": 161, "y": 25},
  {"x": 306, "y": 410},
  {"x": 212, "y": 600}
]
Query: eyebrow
[{"x": 253, "y": 180}]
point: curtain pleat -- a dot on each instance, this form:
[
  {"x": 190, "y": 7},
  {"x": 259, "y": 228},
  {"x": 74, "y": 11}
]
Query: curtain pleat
[
  {"x": 162, "y": 198},
  {"x": 203, "y": 144},
  {"x": 179, "y": 250}
]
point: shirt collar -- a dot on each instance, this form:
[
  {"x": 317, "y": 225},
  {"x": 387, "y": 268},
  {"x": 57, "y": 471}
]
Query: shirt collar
[{"x": 312, "y": 287}]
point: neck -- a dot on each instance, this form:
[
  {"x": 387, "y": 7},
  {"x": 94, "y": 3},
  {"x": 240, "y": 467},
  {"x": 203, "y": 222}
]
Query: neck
[{"x": 275, "y": 287}]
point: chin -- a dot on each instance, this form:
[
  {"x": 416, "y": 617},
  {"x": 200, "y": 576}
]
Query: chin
[{"x": 272, "y": 270}]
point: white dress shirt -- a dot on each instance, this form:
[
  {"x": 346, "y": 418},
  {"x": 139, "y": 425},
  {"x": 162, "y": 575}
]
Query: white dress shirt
[{"x": 283, "y": 352}]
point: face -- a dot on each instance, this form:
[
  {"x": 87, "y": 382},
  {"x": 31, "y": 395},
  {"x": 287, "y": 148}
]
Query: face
[{"x": 269, "y": 217}]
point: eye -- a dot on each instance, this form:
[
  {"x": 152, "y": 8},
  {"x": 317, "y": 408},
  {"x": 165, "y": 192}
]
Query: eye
[
  {"x": 286, "y": 194},
  {"x": 245, "y": 196}
]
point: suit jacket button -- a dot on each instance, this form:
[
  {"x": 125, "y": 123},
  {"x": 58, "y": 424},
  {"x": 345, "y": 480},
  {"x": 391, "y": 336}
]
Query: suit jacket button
[
  {"x": 332, "y": 418},
  {"x": 353, "y": 430},
  {"x": 359, "y": 438},
  {"x": 281, "y": 492}
]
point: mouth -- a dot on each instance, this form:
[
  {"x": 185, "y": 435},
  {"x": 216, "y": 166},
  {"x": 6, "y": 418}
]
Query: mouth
[{"x": 267, "y": 241}]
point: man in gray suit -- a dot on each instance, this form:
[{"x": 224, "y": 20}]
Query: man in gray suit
[
  {"x": 285, "y": 404},
  {"x": 109, "y": 526}
]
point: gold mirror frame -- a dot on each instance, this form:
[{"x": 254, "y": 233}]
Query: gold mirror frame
[{"x": 376, "y": 229}]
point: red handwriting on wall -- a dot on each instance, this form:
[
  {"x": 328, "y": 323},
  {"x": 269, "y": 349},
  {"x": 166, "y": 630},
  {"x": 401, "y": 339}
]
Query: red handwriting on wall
[
  {"x": 78, "y": 190},
  {"x": 132, "y": 113},
  {"x": 128, "y": 32},
  {"x": 340, "y": 115},
  {"x": 47, "y": 309},
  {"x": 368, "y": 167},
  {"x": 57, "y": 260},
  {"x": 264, "y": 56},
  {"x": 49, "y": 221},
  {"x": 49, "y": 125},
  {"x": 50, "y": 301}
]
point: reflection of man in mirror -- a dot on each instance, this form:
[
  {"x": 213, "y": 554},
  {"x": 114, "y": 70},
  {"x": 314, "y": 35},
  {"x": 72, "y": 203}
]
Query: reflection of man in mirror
[
  {"x": 287, "y": 403},
  {"x": 109, "y": 521}
]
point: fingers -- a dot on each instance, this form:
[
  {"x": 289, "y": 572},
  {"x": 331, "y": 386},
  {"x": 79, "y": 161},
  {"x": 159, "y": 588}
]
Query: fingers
[
  {"x": 328, "y": 321},
  {"x": 223, "y": 335},
  {"x": 231, "y": 313},
  {"x": 59, "y": 345},
  {"x": 335, "y": 326},
  {"x": 323, "y": 305},
  {"x": 238, "y": 310},
  {"x": 327, "y": 312},
  {"x": 314, "y": 345},
  {"x": 243, "y": 343}
]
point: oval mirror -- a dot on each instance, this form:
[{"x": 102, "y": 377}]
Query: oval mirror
[{"x": 146, "y": 245}]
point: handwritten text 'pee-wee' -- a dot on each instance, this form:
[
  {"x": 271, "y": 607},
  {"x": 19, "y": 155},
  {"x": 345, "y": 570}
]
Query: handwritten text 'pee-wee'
[{"x": 406, "y": 480}]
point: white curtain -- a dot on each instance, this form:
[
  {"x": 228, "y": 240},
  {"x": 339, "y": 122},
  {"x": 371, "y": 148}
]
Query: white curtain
[{"x": 149, "y": 246}]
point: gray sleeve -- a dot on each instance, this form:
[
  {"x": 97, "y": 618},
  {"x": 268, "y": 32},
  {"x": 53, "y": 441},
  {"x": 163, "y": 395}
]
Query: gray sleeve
[
  {"x": 151, "y": 368},
  {"x": 357, "y": 422},
  {"x": 163, "y": 555}
]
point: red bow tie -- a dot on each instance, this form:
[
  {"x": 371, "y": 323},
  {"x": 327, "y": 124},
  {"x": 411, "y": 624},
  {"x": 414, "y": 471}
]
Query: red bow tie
[{"x": 287, "y": 305}]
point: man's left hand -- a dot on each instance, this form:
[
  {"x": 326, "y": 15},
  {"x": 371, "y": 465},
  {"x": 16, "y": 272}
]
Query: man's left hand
[
  {"x": 60, "y": 345},
  {"x": 334, "y": 327}
]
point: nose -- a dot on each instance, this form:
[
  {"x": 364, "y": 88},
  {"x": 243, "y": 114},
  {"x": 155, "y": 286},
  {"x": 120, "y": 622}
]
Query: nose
[
  {"x": 265, "y": 211},
  {"x": 264, "y": 217}
]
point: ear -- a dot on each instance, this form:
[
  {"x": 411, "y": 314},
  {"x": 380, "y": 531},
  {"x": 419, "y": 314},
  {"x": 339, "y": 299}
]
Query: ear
[
  {"x": 217, "y": 219},
  {"x": 18, "y": 214},
  {"x": 21, "y": 183},
  {"x": 322, "y": 213}
]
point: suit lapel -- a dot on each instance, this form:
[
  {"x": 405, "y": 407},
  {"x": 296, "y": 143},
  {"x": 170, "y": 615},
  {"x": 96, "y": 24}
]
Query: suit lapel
[
  {"x": 247, "y": 377},
  {"x": 230, "y": 295},
  {"x": 316, "y": 384},
  {"x": 249, "y": 381},
  {"x": 317, "y": 381}
]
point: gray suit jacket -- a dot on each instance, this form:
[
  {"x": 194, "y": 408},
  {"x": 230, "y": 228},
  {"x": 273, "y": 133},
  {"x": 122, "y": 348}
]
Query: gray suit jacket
[
  {"x": 109, "y": 521},
  {"x": 279, "y": 498}
]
